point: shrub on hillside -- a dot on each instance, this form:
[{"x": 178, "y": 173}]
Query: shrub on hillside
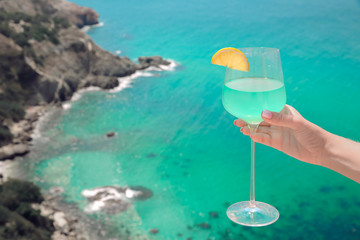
[
  {"x": 15, "y": 227},
  {"x": 18, "y": 220},
  {"x": 11, "y": 110},
  {"x": 61, "y": 22},
  {"x": 5, "y": 135},
  {"x": 24, "y": 191}
]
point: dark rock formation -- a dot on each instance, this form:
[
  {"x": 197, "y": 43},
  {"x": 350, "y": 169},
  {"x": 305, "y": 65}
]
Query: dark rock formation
[
  {"x": 154, "y": 61},
  {"x": 154, "y": 231},
  {"x": 203, "y": 225},
  {"x": 141, "y": 193},
  {"x": 151, "y": 155},
  {"x": 110, "y": 134},
  {"x": 325, "y": 189},
  {"x": 214, "y": 214},
  {"x": 103, "y": 82}
]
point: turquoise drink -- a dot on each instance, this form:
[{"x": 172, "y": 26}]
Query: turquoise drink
[
  {"x": 245, "y": 95},
  {"x": 245, "y": 98}
]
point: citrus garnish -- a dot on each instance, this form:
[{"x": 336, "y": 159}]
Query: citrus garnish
[{"x": 232, "y": 58}]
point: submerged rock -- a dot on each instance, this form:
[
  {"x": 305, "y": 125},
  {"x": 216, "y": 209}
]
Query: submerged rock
[
  {"x": 214, "y": 214},
  {"x": 110, "y": 134},
  {"x": 139, "y": 193},
  {"x": 325, "y": 189},
  {"x": 113, "y": 199},
  {"x": 150, "y": 155},
  {"x": 203, "y": 225},
  {"x": 154, "y": 231}
]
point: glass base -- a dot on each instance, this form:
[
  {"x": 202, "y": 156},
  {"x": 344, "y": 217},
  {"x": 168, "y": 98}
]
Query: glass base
[{"x": 257, "y": 215}]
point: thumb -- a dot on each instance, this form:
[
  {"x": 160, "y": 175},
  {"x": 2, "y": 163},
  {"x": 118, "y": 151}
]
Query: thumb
[{"x": 279, "y": 119}]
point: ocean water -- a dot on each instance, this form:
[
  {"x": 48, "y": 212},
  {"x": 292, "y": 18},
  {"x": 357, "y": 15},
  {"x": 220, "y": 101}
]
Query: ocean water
[{"x": 174, "y": 137}]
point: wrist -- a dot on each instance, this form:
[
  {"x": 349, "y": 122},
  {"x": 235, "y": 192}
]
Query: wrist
[
  {"x": 325, "y": 142},
  {"x": 342, "y": 155},
  {"x": 327, "y": 153}
]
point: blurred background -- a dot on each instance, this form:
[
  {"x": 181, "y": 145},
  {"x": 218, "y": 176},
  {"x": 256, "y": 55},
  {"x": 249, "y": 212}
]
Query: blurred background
[{"x": 174, "y": 137}]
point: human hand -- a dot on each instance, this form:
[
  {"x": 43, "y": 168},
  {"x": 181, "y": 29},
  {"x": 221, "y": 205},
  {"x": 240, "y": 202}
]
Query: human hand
[{"x": 290, "y": 133}]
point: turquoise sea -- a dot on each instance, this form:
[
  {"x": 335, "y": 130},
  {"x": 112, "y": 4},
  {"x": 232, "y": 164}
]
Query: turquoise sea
[{"x": 175, "y": 138}]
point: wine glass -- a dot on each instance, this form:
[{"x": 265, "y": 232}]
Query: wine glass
[{"x": 245, "y": 96}]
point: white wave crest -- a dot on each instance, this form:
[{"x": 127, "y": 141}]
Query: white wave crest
[
  {"x": 77, "y": 95},
  {"x": 100, "y": 24},
  {"x": 36, "y": 134},
  {"x": 129, "y": 193},
  {"x": 124, "y": 82},
  {"x": 88, "y": 27},
  {"x": 118, "y": 52}
]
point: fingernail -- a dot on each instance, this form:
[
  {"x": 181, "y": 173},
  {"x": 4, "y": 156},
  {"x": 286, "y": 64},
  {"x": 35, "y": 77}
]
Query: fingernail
[
  {"x": 234, "y": 122},
  {"x": 267, "y": 114},
  {"x": 241, "y": 129}
]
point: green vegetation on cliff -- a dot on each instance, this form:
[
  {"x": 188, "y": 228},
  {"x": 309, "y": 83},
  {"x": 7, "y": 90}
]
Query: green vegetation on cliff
[
  {"x": 39, "y": 27},
  {"x": 18, "y": 220},
  {"x": 15, "y": 76}
]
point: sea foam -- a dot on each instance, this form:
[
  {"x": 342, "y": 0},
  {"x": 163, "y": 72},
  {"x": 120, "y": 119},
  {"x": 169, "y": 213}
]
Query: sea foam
[
  {"x": 77, "y": 95},
  {"x": 124, "y": 82},
  {"x": 109, "y": 199},
  {"x": 87, "y": 28}
]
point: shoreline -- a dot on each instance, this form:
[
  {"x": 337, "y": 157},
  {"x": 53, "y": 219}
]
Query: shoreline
[
  {"x": 103, "y": 71},
  {"x": 124, "y": 82},
  {"x": 26, "y": 130},
  {"x": 70, "y": 222}
]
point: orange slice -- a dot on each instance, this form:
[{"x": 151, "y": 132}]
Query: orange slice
[{"x": 232, "y": 58}]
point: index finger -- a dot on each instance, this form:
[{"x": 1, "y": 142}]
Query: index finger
[{"x": 242, "y": 123}]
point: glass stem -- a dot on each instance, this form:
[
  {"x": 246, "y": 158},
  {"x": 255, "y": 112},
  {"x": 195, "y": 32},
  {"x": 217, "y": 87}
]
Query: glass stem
[{"x": 252, "y": 128}]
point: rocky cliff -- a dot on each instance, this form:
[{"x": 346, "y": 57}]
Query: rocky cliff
[
  {"x": 76, "y": 15},
  {"x": 45, "y": 58}
]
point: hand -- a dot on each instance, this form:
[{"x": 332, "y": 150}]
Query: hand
[{"x": 290, "y": 133}]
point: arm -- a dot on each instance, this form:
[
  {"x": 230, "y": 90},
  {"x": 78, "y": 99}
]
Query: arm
[
  {"x": 292, "y": 134},
  {"x": 343, "y": 156}
]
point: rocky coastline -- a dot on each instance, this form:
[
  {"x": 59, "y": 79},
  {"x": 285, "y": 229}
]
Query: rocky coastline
[
  {"x": 28, "y": 214},
  {"x": 45, "y": 59},
  {"x": 44, "y": 72}
]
